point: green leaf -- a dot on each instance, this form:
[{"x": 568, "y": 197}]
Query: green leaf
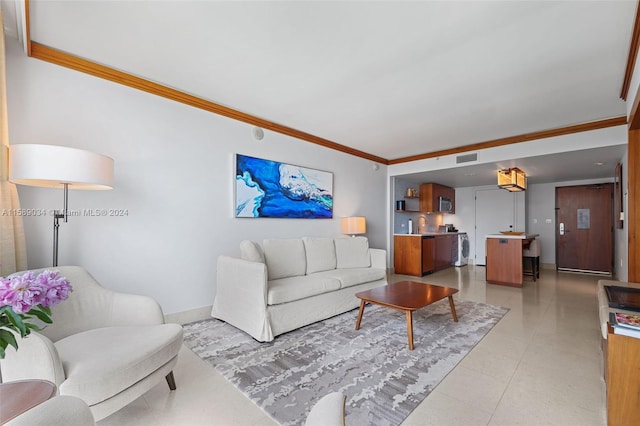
[
  {"x": 6, "y": 338},
  {"x": 32, "y": 327},
  {"x": 45, "y": 309},
  {"x": 42, "y": 316},
  {"x": 16, "y": 320}
]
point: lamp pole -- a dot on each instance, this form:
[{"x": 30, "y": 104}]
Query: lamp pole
[{"x": 57, "y": 215}]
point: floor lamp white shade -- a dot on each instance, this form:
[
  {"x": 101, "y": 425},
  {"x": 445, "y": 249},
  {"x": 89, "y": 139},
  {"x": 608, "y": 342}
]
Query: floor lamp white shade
[{"x": 53, "y": 166}]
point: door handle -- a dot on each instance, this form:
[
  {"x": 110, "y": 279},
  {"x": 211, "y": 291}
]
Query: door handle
[{"x": 561, "y": 228}]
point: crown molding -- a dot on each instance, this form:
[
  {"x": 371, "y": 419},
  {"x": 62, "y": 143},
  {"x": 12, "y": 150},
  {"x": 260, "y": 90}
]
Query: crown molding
[
  {"x": 631, "y": 58},
  {"x": 584, "y": 127}
]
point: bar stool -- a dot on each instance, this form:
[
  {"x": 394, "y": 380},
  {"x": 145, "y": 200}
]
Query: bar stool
[{"x": 532, "y": 253}]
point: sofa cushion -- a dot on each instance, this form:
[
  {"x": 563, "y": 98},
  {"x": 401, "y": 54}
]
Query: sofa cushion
[
  {"x": 250, "y": 250},
  {"x": 99, "y": 363},
  {"x": 295, "y": 288},
  {"x": 349, "y": 277},
  {"x": 320, "y": 254},
  {"x": 284, "y": 257},
  {"x": 352, "y": 252}
]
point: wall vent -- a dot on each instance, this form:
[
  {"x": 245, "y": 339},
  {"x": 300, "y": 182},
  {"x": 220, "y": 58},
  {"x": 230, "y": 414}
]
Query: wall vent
[{"x": 466, "y": 158}]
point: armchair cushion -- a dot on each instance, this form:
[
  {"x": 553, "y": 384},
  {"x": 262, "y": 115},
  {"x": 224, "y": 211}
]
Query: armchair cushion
[{"x": 100, "y": 363}]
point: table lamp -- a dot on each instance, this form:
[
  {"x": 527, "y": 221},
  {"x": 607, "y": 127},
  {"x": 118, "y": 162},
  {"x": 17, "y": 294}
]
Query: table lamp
[{"x": 354, "y": 225}]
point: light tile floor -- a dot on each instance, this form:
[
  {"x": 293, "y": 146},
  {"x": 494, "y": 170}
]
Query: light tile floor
[{"x": 541, "y": 364}]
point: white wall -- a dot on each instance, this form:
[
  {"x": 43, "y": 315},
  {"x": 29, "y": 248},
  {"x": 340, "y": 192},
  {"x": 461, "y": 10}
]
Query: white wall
[{"x": 174, "y": 174}]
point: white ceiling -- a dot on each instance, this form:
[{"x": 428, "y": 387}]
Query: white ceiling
[{"x": 389, "y": 78}]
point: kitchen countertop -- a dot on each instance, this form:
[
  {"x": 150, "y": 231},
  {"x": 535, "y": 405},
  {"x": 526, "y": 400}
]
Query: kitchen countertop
[
  {"x": 513, "y": 237},
  {"x": 428, "y": 234}
]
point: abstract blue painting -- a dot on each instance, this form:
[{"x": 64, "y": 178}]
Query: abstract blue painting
[{"x": 266, "y": 188}]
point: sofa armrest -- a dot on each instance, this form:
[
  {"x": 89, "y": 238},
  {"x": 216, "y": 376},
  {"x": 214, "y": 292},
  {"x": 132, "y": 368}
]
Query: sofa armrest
[
  {"x": 378, "y": 258},
  {"x": 241, "y": 296},
  {"x": 36, "y": 358}
]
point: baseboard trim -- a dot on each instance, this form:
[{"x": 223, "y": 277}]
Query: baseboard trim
[
  {"x": 185, "y": 317},
  {"x": 585, "y": 271}
]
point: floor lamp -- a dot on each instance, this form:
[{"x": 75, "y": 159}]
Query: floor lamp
[{"x": 59, "y": 167}]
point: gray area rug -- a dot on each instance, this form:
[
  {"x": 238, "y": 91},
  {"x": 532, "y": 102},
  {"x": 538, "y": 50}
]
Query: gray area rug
[{"x": 382, "y": 379}]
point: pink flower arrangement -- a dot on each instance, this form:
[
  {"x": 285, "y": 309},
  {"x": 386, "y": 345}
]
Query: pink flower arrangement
[{"x": 25, "y": 298}]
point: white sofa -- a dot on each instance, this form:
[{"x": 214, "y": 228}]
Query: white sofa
[{"x": 289, "y": 283}]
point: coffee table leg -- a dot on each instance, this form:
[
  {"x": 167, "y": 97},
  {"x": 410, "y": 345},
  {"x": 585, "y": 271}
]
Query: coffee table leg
[
  {"x": 453, "y": 309},
  {"x": 410, "y": 328},
  {"x": 362, "y": 302}
]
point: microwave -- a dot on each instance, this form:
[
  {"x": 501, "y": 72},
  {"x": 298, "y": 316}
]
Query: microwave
[{"x": 444, "y": 204}]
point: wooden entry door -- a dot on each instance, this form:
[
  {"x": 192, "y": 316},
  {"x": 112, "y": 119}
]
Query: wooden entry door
[{"x": 584, "y": 228}]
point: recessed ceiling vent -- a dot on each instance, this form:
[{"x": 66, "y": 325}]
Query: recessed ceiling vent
[{"x": 466, "y": 158}]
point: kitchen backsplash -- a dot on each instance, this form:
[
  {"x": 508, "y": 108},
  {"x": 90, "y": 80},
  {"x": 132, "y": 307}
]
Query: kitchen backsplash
[{"x": 421, "y": 222}]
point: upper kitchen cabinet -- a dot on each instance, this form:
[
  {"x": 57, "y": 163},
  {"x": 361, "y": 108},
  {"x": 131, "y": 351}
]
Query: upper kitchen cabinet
[{"x": 435, "y": 198}]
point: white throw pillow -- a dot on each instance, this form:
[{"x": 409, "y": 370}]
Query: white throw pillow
[
  {"x": 321, "y": 254},
  {"x": 284, "y": 257},
  {"x": 352, "y": 252},
  {"x": 250, "y": 250}
]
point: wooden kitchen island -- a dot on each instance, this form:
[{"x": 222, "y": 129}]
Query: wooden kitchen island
[{"x": 504, "y": 258}]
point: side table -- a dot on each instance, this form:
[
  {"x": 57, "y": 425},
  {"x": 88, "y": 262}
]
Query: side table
[{"x": 22, "y": 395}]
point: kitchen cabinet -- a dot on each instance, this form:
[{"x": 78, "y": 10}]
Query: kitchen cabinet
[
  {"x": 504, "y": 258},
  {"x": 412, "y": 254},
  {"x": 622, "y": 357},
  {"x": 428, "y": 254},
  {"x": 430, "y": 194},
  {"x": 446, "y": 248},
  {"x": 418, "y": 255}
]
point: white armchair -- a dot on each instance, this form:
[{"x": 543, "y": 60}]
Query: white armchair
[{"x": 104, "y": 347}]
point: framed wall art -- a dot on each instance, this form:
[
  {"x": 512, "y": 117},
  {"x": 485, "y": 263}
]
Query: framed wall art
[{"x": 266, "y": 188}]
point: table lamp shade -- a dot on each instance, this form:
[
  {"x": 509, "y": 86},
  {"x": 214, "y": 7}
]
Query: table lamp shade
[
  {"x": 53, "y": 166},
  {"x": 354, "y": 225}
]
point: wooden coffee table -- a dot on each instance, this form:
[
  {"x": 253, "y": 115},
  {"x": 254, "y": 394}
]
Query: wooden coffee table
[{"x": 406, "y": 296}]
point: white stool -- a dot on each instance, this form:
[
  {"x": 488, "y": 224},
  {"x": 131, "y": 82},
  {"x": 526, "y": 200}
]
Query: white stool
[{"x": 533, "y": 254}]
